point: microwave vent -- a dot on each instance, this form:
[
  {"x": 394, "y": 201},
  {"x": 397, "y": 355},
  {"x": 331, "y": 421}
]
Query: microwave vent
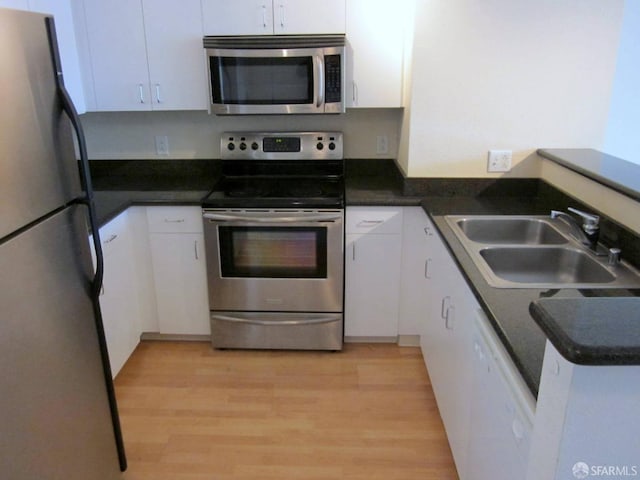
[{"x": 273, "y": 41}]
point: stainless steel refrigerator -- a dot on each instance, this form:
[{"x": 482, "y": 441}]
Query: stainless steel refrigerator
[{"x": 58, "y": 415}]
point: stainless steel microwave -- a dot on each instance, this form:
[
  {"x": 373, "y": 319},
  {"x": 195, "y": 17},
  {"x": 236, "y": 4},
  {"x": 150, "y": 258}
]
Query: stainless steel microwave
[{"x": 276, "y": 74}]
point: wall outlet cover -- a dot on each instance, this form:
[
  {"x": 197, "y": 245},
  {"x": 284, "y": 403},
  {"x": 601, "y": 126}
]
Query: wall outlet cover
[
  {"x": 162, "y": 145},
  {"x": 499, "y": 161}
]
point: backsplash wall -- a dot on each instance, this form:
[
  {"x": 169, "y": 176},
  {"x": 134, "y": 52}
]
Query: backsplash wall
[{"x": 196, "y": 134}]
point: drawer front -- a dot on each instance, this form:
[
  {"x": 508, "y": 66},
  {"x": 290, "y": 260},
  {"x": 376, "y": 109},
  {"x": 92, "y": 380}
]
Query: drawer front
[
  {"x": 379, "y": 220},
  {"x": 174, "y": 219}
]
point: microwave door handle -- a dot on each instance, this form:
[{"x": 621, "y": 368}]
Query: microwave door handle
[{"x": 320, "y": 81}]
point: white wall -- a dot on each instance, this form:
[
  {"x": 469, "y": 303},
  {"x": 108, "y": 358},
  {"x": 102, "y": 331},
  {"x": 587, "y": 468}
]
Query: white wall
[
  {"x": 507, "y": 74},
  {"x": 131, "y": 135},
  {"x": 617, "y": 206},
  {"x": 623, "y": 136}
]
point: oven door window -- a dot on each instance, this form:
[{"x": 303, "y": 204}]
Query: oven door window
[
  {"x": 262, "y": 81},
  {"x": 273, "y": 252}
]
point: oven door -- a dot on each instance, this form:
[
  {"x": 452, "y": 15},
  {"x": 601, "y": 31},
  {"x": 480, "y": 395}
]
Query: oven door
[{"x": 279, "y": 261}]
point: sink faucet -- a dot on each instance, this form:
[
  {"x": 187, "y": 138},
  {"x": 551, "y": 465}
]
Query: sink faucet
[{"x": 588, "y": 232}]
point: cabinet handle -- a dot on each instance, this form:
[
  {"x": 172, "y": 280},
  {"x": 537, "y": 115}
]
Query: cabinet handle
[
  {"x": 195, "y": 249},
  {"x": 444, "y": 306},
  {"x": 450, "y": 317},
  {"x": 353, "y": 252},
  {"x": 264, "y": 16},
  {"x": 427, "y": 232},
  {"x": 370, "y": 223},
  {"x": 282, "y": 19},
  {"x": 111, "y": 238},
  {"x": 518, "y": 430},
  {"x": 355, "y": 93},
  {"x": 158, "y": 97},
  {"x": 178, "y": 220},
  {"x": 141, "y": 92},
  {"x": 427, "y": 262}
]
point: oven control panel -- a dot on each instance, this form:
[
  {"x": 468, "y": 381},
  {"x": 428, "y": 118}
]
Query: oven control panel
[{"x": 281, "y": 146}]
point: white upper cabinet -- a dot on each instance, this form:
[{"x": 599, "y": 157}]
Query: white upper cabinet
[
  {"x": 376, "y": 32},
  {"x": 15, "y": 4},
  {"x": 144, "y": 55},
  {"x": 269, "y": 17},
  {"x": 177, "y": 72},
  {"x": 65, "y": 31}
]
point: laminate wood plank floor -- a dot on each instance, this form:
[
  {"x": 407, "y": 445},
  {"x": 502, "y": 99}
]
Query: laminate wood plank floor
[{"x": 194, "y": 413}]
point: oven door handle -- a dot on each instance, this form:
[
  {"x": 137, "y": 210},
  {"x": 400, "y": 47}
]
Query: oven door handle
[
  {"x": 255, "y": 321},
  {"x": 318, "y": 217}
]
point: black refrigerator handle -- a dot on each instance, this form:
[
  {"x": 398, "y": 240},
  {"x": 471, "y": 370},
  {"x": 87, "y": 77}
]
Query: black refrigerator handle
[{"x": 88, "y": 201}]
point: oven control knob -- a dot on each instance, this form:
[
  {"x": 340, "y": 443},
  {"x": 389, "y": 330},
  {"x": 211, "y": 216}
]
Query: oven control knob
[
  {"x": 320, "y": 145},
  {"x": 231, "y": 146},
  {"x": 332, "y": 146},
  {"x": 254, "y": 146},
  {"x": 243, "y": 146}
]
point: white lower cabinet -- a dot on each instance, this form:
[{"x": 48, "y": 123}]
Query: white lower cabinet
[
  {"x": 414, "y": 282},
  {"x": 449, "y": 307},
  {"x": 119, "y": 300},
  {"x": 486, "y": 408},
  {"x": 179, "y": 270},
  {"x": 372, "y": 272}
]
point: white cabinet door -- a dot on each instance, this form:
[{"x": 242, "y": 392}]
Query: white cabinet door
[
  {"x": 145, "y": 55},
  {"x": 372, "y": 271},
  {"x": 238, "y": 17},
  {"x": 179, "y": 269},
  {"x": 376, "y": 33},
  {"x": 181, "y": 283},
  {"x": 268, "y": 17},
  {"x": 446, "y": 347},
  {"x": 308, "y": 16},
  {"x": 118, "y": 55},
  {"x": 416, "y": 260},
  {"x": 177, "y": 70},
  {"x": 118, "y": 299}
]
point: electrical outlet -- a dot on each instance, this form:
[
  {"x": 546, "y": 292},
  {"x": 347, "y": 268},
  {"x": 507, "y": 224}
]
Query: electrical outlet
[
  {"x": 499, "y": 161},
  {"x": 162, "y": 145},
  {"x": 382, "y": 144}
]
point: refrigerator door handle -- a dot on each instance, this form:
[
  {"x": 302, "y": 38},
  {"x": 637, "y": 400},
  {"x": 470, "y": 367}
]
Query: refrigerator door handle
[{"x": 70, "y": 110}]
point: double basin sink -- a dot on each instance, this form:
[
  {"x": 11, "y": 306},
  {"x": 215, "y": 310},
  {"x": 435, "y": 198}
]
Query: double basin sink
[{"x": 536, "y": 252}]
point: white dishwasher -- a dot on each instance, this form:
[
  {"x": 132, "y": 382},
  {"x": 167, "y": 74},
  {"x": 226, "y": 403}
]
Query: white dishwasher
[{"x": 502, "y": 411}]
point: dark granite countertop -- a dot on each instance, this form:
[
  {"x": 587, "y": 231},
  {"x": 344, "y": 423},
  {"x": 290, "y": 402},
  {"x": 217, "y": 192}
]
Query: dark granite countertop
[
  {"x": 507, "y": 308},
  {"x": 119, "y": 184},
  {"x": 110, "y": 203},
  {"x": 592, "y": 331},
  {"x": 376, "y": 182},
  {"x": 379, "y": 182}
]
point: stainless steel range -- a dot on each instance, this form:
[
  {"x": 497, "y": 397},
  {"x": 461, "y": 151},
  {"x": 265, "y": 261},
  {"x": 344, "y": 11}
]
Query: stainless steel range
[{"x": 274, "y": 236}]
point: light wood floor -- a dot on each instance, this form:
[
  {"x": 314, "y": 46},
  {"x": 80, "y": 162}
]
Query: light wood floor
[{"x": 190, "y": 412}]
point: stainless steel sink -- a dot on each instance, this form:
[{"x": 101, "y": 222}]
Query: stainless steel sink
[
  {"x": 535, "y": 252},
  {"x": 557, "y": 265},
  {"x": 510, "y": 230}
]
